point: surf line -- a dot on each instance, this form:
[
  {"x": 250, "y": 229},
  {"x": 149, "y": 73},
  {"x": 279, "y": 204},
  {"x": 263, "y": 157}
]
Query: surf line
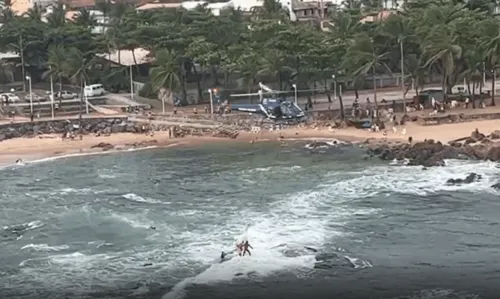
[{"x": 21, "y": 162}]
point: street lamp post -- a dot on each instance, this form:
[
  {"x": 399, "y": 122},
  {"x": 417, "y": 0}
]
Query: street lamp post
[
  {"x": 31, "y": 94},
  {"x": 295, "y": 92},
  {"x": 402, "y": 75},
  {"x": 52, "y": 96},
  {"x": 131, "y": 84},
  {"x": 334, "y": 88},
  {"x": 211, "y": 102}
]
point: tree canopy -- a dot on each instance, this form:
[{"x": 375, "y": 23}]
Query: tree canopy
[{"x": 456, "y": 40}]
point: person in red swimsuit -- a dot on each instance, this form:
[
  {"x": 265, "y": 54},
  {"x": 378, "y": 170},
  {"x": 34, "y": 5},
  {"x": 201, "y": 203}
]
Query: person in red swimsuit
[
  {"x": 245, "y": 248},
  {"x": 240, "y": 248}
]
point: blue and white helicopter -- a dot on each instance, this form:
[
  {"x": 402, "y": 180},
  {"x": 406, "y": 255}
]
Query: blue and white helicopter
[{"x": 270, "y": 105}]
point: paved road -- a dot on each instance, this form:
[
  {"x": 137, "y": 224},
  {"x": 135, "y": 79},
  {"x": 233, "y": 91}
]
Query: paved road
[
  {"x": 122, "y": 98},
  {"x": 389, "y": 94}
]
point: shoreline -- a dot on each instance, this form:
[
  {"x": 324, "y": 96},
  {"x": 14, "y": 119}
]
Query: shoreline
[
  {"x": 46, "y": 147},
  {"x": 32, "y": 152}
]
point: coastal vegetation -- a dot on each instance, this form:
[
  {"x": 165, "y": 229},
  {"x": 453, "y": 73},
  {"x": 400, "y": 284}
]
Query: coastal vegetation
[{"x": 459, "y": 41}]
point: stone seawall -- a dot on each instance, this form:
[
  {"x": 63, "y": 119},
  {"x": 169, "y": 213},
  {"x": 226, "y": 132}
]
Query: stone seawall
[
  {"x": 105, "y": 126},
  {"x": 89, "y": 125}
]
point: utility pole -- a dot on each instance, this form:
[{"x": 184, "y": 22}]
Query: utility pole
[
  {"x": 403, "y": 75},
  {"x": 322, "y": 10},
  {"x": 21, "y": 48}
]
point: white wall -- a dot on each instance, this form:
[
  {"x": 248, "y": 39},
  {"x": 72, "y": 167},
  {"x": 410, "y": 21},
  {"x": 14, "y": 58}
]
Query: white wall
[{"x": 288, "y": 5}]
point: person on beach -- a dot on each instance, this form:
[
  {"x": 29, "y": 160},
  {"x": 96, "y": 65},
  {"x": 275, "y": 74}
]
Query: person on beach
[{"x": 245, "y": 246}]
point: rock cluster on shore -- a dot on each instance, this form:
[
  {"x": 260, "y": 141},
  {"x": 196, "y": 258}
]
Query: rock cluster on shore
[
  {"x": 430, "y": 153},
  {"x": 104, "y": 126}
]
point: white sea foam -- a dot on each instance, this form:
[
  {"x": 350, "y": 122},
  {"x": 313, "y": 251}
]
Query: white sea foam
[
  {"x": 439, "y": 294},
  {"x": 281, "y": 169},
  {"x": 130, "y": 220},
  {"x": 59, "y": 157},
  {"x": 414, "y": 180},
  {"x": 106, "y": 175},
  {"x": 44, "y": 247},
  {"x": 295, "y": 221},
  {"x": 358, "y": 263},
  {"x": 138, "y": 198},
  {"x": 26, "y": 226}
]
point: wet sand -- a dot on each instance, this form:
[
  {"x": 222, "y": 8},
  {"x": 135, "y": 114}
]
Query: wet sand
[{"x": 45, "y": 146}]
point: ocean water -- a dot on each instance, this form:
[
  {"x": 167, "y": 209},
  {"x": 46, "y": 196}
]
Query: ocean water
[{"x": 324, "y": 223}]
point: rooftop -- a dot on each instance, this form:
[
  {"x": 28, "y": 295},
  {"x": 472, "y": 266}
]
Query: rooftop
[
  {"x": 126, "y": 57},
  {"x": 8, "y": 55},
  {"x": 158, "y": 6}
]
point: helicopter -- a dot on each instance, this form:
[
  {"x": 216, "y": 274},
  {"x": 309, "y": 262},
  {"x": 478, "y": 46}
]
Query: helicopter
[{"x": 272, "y": 107}]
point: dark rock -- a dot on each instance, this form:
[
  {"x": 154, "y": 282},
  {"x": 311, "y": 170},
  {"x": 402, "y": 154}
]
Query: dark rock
[
  {"x": 106, "y": 131},
  {"x": 495, "y": 134},
  {"x": 331, "y": 260},
  {"x": 469, "y": 141},
  {"x": 311, "y": 249},
  {"x": 130, "y": 128},
  {"x": 493, "y": 153},
  {"x": 317, "y": 144},
  {"x": 225, "y": 134},
  {"x": 118, "y": 128},
  {"x": 143, "y": 143},
  {"x": 326, "y": 256},
  {"x": 104, "y": 145},
  {"x": 472, "y": 177},
  {"x": 430, "y": 153},
  {"x": 476, "y": 136},
  {"x": 496, "y": 186}
]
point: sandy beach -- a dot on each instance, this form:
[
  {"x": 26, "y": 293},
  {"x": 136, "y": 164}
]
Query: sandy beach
[{"x": 29, "y": 149}]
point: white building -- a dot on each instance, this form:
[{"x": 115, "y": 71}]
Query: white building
[
  {"x": 250, "y": 5},
  {"x": 216, "y": 8}
]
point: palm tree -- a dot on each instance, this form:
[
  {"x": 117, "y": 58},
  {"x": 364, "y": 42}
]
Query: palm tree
[
  {"x": 104, "y": 6},
  {"x": 35, "y": 13},
  {"x": 57, "y": 64},
  {"x": 474, "y": 59},
  {"x": 77, "y": 67},
  {"x": 7, "y": 15},
  {"x": 85, "y": 18},
  {"x": 249, "y": 66},
  {"x": 165, "y": 76},
  {"x": 272, "y": 9},
  {"x": 490, "y": 43},
  {"x": 343, "y": 30},
  {"x": 7, "y": 70},
  {"x": 364, "y": 54},
  {"x": 440, "y": 44},
  {"x": 400, "y": 30},
  {"x": 57, "y": 18},
  {"x": 275, "y": 65}
]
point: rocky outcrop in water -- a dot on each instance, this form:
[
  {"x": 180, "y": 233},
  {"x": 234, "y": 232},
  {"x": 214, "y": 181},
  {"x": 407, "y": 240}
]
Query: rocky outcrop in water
[
  {"x": 472, "y": 177},
  {"x": 223, "y": 133},
  {"x": 496, "y": 186},
  {"x": 430, "y": 153},
  {"x": 104, "y": 146},
  {"x": 145, "y": 143}
]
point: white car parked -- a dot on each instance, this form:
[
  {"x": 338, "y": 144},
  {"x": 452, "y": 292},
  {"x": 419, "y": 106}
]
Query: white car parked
[
  {"x": 66, "y": 95},
  {"x": 10, "y": 97},
  {"x": 94, "y": 90}
]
